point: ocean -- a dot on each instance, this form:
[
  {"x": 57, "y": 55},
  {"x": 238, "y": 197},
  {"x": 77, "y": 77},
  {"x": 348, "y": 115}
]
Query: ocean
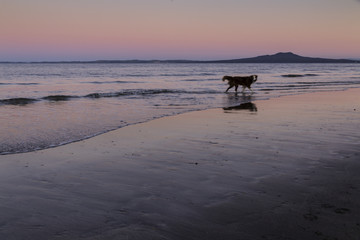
[{"x": 45, "y": 105}]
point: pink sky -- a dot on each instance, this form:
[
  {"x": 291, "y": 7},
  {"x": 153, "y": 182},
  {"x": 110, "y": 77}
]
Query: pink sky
[{"x": 176, "y": 29}]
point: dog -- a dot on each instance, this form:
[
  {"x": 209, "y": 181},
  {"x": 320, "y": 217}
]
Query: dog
[{"x": 244, "y": 81}]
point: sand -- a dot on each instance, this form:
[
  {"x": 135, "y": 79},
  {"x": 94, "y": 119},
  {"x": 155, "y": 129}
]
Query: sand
[{"x": 285, "y": 168}]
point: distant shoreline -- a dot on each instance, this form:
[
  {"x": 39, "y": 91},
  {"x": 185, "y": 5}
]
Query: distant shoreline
[{"x": 287, "y": 57}]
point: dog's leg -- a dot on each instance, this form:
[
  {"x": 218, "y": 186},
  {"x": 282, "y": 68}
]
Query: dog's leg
[
  {"x": 228, "y": 88},
  {"x": 236, "y": 87}
]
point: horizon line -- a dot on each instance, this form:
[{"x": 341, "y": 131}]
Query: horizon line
[{"x": 177, "y": 60}]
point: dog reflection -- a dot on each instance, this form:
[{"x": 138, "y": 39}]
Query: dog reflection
[{"x": 244, "y": 106}]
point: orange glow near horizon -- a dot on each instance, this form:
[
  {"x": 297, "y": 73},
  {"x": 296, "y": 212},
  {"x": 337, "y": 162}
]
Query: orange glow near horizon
[{"x": 84, "y": 30}]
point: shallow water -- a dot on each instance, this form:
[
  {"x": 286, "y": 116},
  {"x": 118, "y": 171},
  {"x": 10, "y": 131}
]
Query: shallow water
[{"x": 46, "y": 105}]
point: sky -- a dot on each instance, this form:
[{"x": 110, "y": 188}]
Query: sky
[{"x": 66, "y": 30}]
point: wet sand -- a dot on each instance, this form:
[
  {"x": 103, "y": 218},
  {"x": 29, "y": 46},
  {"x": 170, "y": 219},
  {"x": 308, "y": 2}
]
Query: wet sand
[{"x": 285, "y": 168}]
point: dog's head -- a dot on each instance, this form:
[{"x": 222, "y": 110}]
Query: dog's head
[
  {"x": 254, "y": 78},
  {"x": 225, "y": 77}
]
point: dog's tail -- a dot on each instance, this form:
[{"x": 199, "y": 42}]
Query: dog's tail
[{"x": 224, "y": 78}]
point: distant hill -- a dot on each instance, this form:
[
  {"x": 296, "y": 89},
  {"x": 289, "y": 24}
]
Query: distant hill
[
  {"x": 282, "y": 57},
  {"x": 288, "y": 57}
]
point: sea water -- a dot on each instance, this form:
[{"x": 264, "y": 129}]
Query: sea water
[{"x": 44, "y": 105}]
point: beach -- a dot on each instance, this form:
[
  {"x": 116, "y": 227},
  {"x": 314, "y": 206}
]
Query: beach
[{"x": 284, "y": 168}]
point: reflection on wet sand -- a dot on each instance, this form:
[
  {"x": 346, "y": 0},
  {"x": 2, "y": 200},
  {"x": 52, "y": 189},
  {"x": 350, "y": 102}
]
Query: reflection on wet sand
[
  {"x": 244, "y": 106},
  {"x": 236, "y": 99}
]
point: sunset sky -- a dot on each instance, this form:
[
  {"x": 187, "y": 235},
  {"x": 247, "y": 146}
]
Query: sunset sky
[{"x": 36, "y": 30}]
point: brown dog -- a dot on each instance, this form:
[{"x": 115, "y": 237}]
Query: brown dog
[{"x": 244, "y": 81}]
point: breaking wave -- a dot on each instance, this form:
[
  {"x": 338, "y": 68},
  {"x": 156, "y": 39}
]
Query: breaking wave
[
  {"x": 20, "y": 84},
  {"x": 130, "y": 92},
  {"x": 17, "y": 101}
]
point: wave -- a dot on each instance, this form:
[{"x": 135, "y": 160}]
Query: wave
[
  {"x": 25, "y": 101},
  {"x": 110, "y": 82},
  {"x": 142, "y": 92},
  {"x": 299, "y": 75},
  {"x": 154, "y": 75},
  {"x": 192, "y": 80},
  {"x": 17, "y": 101},
  {"x": 274, "y": 86},
  {"x": 23, "y": 84},
  {"x": 129, "y": 92},
  {"x": 186, "y": 74},
  {"x": 330, "y": 83},
  {"x": 201, "y": 80},
  {"x": 308, "y": 83},
  {"x": 133, "y": 92},
  {"x": 136, "y": 75},
  {"x": 110, "y": 75},
  {"x": 262, "y": 86},
  {"x": 44, "y": 74},
  {"x": 57, "y": 98},
  {"x": 26, "y": 84}
]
